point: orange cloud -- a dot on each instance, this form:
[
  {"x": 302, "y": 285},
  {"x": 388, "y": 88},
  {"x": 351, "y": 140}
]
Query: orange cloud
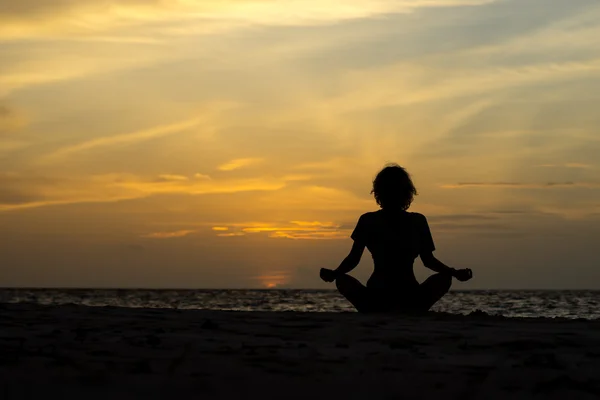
[
  {"x": 171, "y": 177},
  {"x": 312, "y": 235},
  {"x": 10, "y": 120},
  {"x": 239, "y": 163},
  {"x": 521, "y": 185},
  {"x": 231, "y": 234},
  {"x": 83, "y": 18},
  {"x": 167, "y": 235},
  {"x": 578, "y": 165},
  {"x": 568, "y": 165},
  {"x": 315, "y": 224},
  {"x": 293, "y": 230},
  {"x": 46, "y": 191},
  {"x": 125, "y": 138}
]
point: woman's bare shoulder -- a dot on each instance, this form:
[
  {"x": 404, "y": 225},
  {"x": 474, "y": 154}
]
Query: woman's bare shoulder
[
  {"x": 370, "y": 214},
  {"x": 418, "y": 216}
]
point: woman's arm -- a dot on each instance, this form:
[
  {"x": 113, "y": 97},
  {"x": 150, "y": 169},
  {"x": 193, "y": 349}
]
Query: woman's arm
[
  {"x": 352, "y": 259},
  {"x": 349, "y": 263},
  {"x": 436, "y": 265}
]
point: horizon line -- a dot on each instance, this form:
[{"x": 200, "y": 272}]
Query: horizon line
[{"x": 271, "y": 289}]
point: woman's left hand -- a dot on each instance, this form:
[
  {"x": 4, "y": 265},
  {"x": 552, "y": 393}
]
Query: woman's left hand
[{"x": 328, "y": 275}]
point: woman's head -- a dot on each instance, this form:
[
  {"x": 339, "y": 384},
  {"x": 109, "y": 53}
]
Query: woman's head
[{"x": 393, "y": 188}]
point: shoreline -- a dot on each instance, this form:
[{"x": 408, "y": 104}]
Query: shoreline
[
  {"x": 472, "y": 316},
  {"x": 273, "y": 289},
  {"x": 75, "y": 351}
]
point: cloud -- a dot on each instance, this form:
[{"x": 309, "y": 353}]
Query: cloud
[
  {"x": 202, "y": 176},
  {"x": 92, "y": 18},
  {"x": 24, "y": 191},
  {"x": 587, "y": 211},
  {"x": 48, "y": 203},
  {"x": 489, "y": 69},
  {"x": 239, "y": 163},
  {"x": 230, "y": 186},
  {"x": 578, "y": 165},
  {"x": 464, "y": 227},
  {"x": 315, "y": 235},
  {"x": 316, "y": 224},
  {"x": 122, "y": 139},
  {"x": 568, "y": 165},
  {"x": 522, "y": 185},
  {"x": 312, "y": 230},
  {"x": 168, "y": 235},
  {"x": 10, "y": 120},
  {"x": 171, "y": 178},
  {"x": 30, "y": 67},
  {"x": 367, "y": 90},
  {"x": 8, "y": 146},
  {"x": 28, "y": 191},
  {"x": 459, "y": 218},
  {"x": 220, "y": 228}
]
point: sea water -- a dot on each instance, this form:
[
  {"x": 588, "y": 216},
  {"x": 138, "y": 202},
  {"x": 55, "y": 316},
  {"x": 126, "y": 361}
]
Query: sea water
[{"x": 509, "y": 303}]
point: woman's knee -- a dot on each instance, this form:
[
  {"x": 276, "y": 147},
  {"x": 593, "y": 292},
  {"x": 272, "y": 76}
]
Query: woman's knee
[
  {"x": 443, "y": 281},
  {"x": 343, "y": 282},
  {"x": 347, "y": 284},
  {"x": 448, "y": 281}
]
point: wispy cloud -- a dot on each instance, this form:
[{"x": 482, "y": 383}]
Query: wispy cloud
[
  {"x": 239, "y": 163},
  {"x": 118, "y": 187},
  {"x": 5, "y": 207},
  {"x": 231, "y": 234},
  {"x": 316, "y": 224},
  {"x": 568, "y": 165},
  {"x": 314, "y": 230},
  {"x": 172, "y": 177},
  {"x": 122, "y": 139},
  {"x": 9, "y": 145},
  {"x": 522, "y": 185},
  {"x": 10, "y": 120},
  {"x": 93, "y": 19},
  {"x": 314, "y": 235},
  {"x": 168, "y": 235},
  {"x": 367, "y": 89},
  {"x": 459, "y": 218},
  {"x": 34, "y": 67}
]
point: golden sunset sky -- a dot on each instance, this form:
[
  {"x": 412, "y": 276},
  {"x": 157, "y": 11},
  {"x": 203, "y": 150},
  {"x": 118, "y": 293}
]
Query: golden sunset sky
[{"x": 202, "y": 144}]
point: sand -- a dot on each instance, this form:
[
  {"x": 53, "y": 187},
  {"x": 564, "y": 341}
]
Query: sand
[{"x": 106, "y": 352}]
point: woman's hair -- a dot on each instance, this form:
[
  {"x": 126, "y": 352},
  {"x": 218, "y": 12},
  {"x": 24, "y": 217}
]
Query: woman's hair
[{"x": 393, "y": 188}]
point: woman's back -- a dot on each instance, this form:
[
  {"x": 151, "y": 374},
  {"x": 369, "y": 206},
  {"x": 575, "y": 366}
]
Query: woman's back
[{"x": 395, "y": 239}]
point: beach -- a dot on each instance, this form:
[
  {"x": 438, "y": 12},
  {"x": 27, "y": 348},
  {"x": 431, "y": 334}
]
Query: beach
[{"x": 100, "y": 352}]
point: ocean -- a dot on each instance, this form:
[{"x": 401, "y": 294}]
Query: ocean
[{"x": 509, "y": 303}]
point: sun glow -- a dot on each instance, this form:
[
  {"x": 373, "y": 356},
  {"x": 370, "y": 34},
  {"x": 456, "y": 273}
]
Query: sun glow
[{"x": 273, "y": 280}]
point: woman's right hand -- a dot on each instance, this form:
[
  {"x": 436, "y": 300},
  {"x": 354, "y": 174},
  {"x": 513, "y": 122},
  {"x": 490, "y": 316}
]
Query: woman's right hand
[{"x": 463, "y": 275}]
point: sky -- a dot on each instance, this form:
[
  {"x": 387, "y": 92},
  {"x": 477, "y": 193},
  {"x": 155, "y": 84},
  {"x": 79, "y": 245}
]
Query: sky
[{"x": 232, "y": 144}]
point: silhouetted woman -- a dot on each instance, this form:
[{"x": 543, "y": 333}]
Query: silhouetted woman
[{"x": 395, "y": 237}]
